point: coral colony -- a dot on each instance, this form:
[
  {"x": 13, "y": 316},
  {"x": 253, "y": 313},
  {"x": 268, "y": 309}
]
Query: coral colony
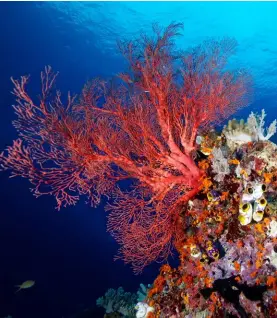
[{"x": 211, "y": 195}]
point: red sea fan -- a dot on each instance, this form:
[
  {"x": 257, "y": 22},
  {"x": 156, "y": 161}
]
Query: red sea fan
[{"x": 143, "y": 131}]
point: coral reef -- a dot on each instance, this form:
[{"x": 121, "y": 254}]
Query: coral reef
[
  {"x": 211, "y": 195},
  {"x": 229, "y": 250}
]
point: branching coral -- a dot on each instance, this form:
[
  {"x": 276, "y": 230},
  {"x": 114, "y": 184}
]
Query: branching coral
[
  {"x": 256, "y": 127},
  {"x": 220, "y": 164},
  {"x": 144, "y": 131},
  {"x": 142, "y": 292},
  {"x": 239, "y": 132},
  {"x": 118, "y": 301}
]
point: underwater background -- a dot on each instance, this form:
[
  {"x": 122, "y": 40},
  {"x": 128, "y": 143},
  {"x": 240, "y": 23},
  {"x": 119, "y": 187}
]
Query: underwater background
[{"x": 68, "y": 253}]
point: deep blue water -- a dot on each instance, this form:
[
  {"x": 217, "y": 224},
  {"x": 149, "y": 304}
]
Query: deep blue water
[{"x": 68, "y": 253}]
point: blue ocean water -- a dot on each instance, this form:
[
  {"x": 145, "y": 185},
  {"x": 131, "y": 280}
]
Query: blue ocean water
[{"x": 68, "y": 253}]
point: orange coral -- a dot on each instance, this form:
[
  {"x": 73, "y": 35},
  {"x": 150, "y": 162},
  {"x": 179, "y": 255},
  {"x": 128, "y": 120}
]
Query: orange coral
[
  {"x": 259, "y": 263},
  {"x": 234, "y": 161},
  {"x": 237, "y": 266},
  {"x": 165, "y": 268},
  {"x": 151, "y": 315},
  {"x": 259, "y": 228},
  {"x": 254, "y": 274},
  {"x": 267, "y": 177},
  {"x": 238, "y": 279},
  {"x": 271, "y": 282},
  {"x": 206, "y": 184},
  {"x": 159, "y": 283},
  {"x": 204, "y": 165},
  {"x": 240, "y": 243},
  {"x": 224, "y": 195}
]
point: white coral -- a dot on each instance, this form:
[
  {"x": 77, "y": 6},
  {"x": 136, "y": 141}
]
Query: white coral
[
  {"x": 256, "y": 123},
  {"x": 143, "y": 309},
  {"x": 273, "y": 258},
  {"x": 240, "y": 132},
  {"x": 272, "y": 229},
  {"x": 220, "y": 164}
]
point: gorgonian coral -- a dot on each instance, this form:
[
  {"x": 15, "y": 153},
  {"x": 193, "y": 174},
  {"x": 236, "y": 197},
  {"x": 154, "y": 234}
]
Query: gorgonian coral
[{"x": 143, "y": 130}]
